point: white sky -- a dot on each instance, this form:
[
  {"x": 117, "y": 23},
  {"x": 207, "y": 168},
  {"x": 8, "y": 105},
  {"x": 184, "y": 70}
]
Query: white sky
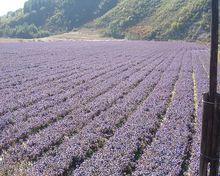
[{"x": 10, "y": 5}]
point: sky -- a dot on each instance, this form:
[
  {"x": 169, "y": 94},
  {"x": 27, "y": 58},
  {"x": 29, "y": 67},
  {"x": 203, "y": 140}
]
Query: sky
[{"x": 10, "y": 5}]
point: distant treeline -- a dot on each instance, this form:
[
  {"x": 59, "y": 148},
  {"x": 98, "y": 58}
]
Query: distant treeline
[
  {"x": 41, "y": 18},
  {"x": 131, "y": 19}
]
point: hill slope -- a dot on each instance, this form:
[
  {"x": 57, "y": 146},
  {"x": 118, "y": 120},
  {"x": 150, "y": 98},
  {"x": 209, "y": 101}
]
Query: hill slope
[
  {"x": 132, "y": 19},
  {"x": 157, "y": 19},
  {"x": 44, "y": 17}
]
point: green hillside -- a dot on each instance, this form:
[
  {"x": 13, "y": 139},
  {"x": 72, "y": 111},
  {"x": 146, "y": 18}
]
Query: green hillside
[
  {"x": 158, "y": 19},
  {"x": 132, "y": 19},
  {"x": 41, "y": 18}
]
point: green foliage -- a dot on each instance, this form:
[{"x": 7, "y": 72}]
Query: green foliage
[
  {"x": 167, "y": 19},
  {"x": 131, "y": 19},
  {"x": 191, "y": 19},
  {"x": 23, "y": 31},
  {"x": 54, "y": 16},
  {"x": 79, "y": 12},
  {"x": 127, "y": 14},
  {"x": 57, "y": 23},
  {"x": 115, "y": 30}
]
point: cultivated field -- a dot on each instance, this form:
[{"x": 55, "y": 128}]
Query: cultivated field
[{"x": 101, "y": 108}]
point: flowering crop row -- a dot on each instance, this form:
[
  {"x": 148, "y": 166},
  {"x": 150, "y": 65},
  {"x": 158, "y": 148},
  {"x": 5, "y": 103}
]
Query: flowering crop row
[{"x": 101, "y": 108}]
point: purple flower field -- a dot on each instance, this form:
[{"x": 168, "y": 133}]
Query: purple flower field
[{"x": 105, "y": 108}]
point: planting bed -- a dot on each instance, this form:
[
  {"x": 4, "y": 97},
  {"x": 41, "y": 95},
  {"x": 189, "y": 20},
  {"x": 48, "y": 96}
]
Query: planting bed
[{"x": 108, "y": 108}]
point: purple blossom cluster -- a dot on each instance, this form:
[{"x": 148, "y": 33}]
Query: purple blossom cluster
[
  {"x": 11, "y": 133},
  {"x": 100, "y": 108},
  {"x": 63, "y": 89},
  {"x": 168, "y": 151},
  {"x": 83, "y": 116},
  {"x": 102, "y": 127},
  {"x": 20, "y": 129},
  {"x": 118, "y": 153},
  {"x": 201, "y": 77}
]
